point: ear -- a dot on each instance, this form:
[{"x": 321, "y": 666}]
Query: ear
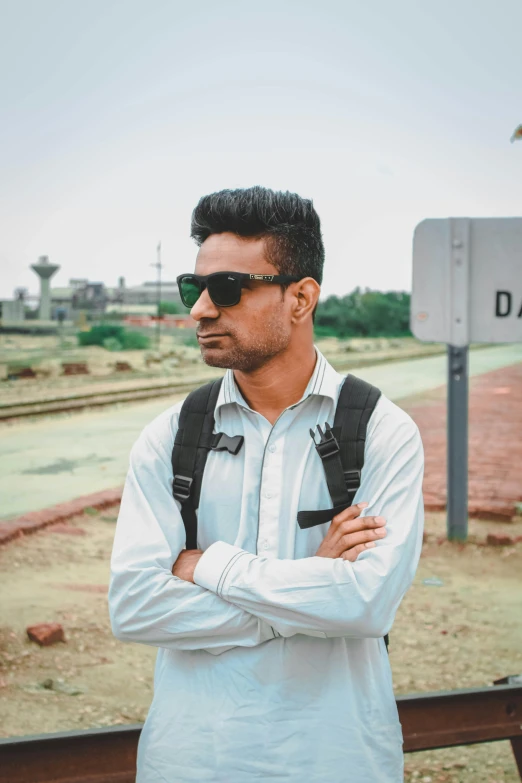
[{"x": 306, "y": 295}]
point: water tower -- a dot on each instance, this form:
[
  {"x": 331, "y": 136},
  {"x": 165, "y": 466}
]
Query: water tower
[{"x": 45, "y": 271}]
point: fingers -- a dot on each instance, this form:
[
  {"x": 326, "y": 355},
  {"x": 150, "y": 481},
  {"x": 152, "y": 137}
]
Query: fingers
[
  {"x": 360, "y": 523},
  {"x": 356, "y": 525},
  {"x": 353, "y": 554},
  {"x": 352, "y": 512},
  {"x": 361, "y": 537}
]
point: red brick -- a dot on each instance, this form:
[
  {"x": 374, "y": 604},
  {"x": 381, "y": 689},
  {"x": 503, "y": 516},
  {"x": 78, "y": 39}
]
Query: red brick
[
  {"x": 9, "y": 533},
  {"x": 35, "y": 520},
  {"x": 497, "y": 539},
  {"x": 46, "y": 634}
]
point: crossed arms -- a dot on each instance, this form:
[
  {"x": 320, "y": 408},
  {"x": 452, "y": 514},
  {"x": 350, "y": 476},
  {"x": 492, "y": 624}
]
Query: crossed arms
[{"x": 164, "y": 596}]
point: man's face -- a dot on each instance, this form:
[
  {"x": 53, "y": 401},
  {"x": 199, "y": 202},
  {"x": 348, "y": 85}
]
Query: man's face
[{"x": 244, "y": 336}]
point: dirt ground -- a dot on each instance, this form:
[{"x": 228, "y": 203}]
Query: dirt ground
[{"x": 462, "y": 630}]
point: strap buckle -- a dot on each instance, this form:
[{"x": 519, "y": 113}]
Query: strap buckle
[
  {"x": 327, "y": 445},
  {"x": 352, "y": 479},
  {"x": 229, "y": 443},
  {"x": 181, "y": 488}
]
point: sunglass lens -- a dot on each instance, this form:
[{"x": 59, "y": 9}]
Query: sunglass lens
[
  {"x": 224, "y": 289},
  {"x": 190, "y": 291}
]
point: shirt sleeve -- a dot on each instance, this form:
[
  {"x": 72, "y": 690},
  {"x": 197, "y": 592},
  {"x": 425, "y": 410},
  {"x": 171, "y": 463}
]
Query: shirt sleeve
[
  {"x": 147, "y": 603},
  {"x": 334, "y": 597}
]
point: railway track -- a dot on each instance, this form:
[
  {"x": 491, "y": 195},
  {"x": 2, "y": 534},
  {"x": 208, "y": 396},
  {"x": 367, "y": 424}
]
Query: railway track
[
  {"x": 429, "y": 720},
  {"x": 93, "y": 399},
  {"x": 78, "y": 402}
]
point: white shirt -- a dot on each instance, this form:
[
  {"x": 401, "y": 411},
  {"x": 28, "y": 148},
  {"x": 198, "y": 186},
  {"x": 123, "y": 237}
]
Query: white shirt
[{"x": 272, "y": 667}]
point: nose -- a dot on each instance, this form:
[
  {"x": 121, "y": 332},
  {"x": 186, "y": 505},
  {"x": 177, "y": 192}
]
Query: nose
[{"x": 204, "y": 308}]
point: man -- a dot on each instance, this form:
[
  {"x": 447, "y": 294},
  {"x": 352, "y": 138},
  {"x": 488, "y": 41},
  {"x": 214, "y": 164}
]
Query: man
[{"x": 271, "y": 664}]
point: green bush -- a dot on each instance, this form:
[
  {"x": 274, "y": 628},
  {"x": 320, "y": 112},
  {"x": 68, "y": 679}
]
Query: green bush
[
  {"x": 108, "y": 335},
  {"x": 100, "y": 332},
  {"x": 135, "y": 341},
  {"x": 171, "y": 308},
  {"x": 112, "y": 344}
]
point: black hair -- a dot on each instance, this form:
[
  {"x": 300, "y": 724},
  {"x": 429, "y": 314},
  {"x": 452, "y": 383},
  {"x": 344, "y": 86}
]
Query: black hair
[{"x": 289, "y": 224}]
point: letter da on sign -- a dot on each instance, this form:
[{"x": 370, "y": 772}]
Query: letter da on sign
[
  {"x": 467, "y": 281},
  {"x": 503, "y": 304}
]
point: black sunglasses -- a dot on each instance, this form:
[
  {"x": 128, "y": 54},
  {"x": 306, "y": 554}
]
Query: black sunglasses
[{"x": 224, "y": 288}]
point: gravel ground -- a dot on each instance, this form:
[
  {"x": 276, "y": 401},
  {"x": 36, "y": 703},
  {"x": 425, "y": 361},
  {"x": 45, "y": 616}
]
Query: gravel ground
[{"x": 464, "y": 632}]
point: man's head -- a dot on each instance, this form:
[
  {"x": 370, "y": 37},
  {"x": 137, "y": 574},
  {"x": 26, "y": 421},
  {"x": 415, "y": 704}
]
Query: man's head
[{"x": 260, "y": 232}]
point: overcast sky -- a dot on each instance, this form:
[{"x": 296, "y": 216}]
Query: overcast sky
[{"x": 117, "y": 115}]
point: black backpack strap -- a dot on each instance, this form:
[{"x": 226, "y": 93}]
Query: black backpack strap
[
  {"x": 341, "y": 448},
  {"x": 355, "y": 406},
  {"x": 194, "y": 439}
]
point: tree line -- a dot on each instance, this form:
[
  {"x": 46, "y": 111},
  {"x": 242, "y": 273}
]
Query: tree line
[{"x": 364, "y": 313}]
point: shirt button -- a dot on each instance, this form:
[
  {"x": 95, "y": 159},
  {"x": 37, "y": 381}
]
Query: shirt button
[
  {"x": 268, "y": 494},
  {"x": 272, "y": 448},
  {"x": 265, "y": 544}
]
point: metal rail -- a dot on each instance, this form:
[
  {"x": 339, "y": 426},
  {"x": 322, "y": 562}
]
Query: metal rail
[
  {"x": 463, "y": 717},
  {"x": 94, "y": 399},
  {"x": 429, "y": 720}
]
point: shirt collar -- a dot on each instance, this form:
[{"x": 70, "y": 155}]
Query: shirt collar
[{"x": 324, "y": 382}]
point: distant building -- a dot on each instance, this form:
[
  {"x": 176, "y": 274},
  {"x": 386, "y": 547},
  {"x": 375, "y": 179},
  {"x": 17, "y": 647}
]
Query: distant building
[
  {"x": 78, "y": 295},
  {"x": 120, "y": 308},
  {"x": 92, "y": 297},
  {"x": 96, "y": 298},
  {"x": 78, "y": 282},
  {"x": 62, "y": 298},
  {"x": 147, "y": 293},
  {"x": 12, "y": 310}
]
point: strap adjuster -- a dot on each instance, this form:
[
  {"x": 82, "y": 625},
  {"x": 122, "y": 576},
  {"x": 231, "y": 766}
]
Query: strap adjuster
[
  {"x": 181, "y": 487},
  {"x": 352, "y": 479},
  {"x": 327, "y": 446}
]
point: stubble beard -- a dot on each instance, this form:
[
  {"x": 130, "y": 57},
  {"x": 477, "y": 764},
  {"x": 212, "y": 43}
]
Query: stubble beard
[{"x": 272, "y": 340}]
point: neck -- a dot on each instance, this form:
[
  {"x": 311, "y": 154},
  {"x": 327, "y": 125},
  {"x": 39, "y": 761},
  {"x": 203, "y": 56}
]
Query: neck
[{"x": 279, "y": 383}]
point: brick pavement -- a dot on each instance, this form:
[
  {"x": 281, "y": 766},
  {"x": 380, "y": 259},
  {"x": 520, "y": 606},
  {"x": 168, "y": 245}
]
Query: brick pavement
[
  {"x": 495, "y": 443},
  {"x": 35, "y": 520}
]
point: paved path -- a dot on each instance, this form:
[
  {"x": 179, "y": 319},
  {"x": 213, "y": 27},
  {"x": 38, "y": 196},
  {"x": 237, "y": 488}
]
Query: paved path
[{"x": 54, "y": 460}]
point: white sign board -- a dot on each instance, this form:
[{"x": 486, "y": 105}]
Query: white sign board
[{"x": 467, "y": 281}]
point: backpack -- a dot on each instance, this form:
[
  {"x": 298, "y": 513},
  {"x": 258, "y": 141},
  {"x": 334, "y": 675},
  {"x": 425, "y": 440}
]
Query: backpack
[{"x": 340, "y": 447}]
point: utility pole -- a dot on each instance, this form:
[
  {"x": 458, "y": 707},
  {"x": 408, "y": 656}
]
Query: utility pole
[{"x": 158, "y": 266}]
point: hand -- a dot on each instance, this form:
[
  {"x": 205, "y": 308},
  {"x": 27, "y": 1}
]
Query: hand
[
  {"x": 349, "y": 534},
  {"x": 186, "y": 563}
]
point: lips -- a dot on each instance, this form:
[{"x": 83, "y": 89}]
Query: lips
[{"x": 209, "y": 336}]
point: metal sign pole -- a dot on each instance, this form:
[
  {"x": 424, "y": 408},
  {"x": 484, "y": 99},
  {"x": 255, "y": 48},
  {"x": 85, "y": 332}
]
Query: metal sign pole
[{"x": 457, "y": 475}]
